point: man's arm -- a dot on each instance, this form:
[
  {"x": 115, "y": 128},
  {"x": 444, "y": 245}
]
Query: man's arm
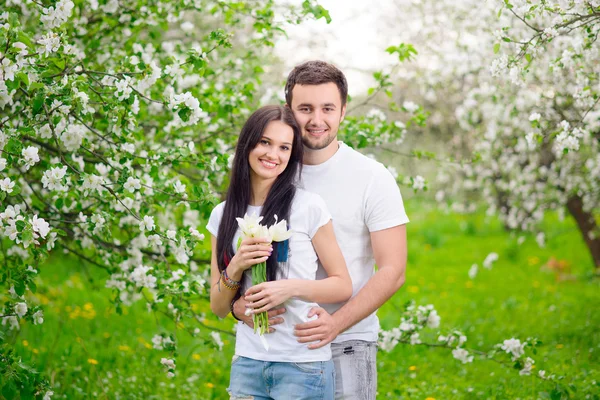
[{"x": 389, "y": 249}]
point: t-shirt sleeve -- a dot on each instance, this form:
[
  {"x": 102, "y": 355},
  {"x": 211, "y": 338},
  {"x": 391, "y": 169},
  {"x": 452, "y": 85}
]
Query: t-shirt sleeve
[
  {"x": 384, "y": 205},
  {"x": 318, "y": 214},
  {"x": 215, "y": 219}
]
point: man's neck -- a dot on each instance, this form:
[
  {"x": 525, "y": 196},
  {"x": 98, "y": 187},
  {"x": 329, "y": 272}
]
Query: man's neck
[{"x": 316, "y": 157}]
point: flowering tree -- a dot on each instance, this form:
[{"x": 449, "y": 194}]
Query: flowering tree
[
  {"x": 116, "y": 121},
  {"x": 516, "y": 82}
]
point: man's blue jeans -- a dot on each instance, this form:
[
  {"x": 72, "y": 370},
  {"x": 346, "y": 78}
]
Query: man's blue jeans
[{"x": 264, "y": 380}]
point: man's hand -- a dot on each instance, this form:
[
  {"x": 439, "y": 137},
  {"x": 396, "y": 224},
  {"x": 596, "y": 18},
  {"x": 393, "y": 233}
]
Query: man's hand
[
  {"x": 239, "y": 309},
  {"x": 322, "y": 330}
]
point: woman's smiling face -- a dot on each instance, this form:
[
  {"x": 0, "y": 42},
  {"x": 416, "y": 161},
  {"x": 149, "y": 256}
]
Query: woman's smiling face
[{"x": 271, "y": 155}]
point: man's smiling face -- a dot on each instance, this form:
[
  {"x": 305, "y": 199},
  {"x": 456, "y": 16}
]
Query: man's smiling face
[{"x": 319, "y": 111}]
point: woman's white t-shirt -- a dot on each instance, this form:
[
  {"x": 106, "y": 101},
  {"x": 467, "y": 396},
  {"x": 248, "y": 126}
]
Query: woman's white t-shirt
[{"x": 308, "y": 213}]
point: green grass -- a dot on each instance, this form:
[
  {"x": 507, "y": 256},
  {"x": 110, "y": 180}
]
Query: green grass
[{"x": 100, "y": 354}]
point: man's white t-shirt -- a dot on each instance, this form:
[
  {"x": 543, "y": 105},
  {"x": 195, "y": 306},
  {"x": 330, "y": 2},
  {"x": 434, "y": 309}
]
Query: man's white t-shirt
[
  {"x": 363, "y": 197},
  {"x": 308, "y": 213}
]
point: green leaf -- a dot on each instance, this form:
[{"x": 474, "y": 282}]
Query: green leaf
[
  {"x": 15, "y": 191},
  {"x": 528, "y": 57},
  {"x": 38, "y": 102},
  {"x": 184, "y": 114},
  {"x": 27, "y": 235},
  {"x": 59, "y": 202},
  {"x": 20, "y": 225},
  {"x": 20, "y": 287},
  {"x": 496, "y": 48},
  {"x": 32, "y": 286}
]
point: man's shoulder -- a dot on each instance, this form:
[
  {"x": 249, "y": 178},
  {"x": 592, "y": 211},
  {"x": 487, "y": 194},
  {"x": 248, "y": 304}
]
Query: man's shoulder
[{"x": 355, "y": 160}]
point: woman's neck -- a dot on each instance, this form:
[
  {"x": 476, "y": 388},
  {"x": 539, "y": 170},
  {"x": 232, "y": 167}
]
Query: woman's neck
[{"x": 259, "y": 190}]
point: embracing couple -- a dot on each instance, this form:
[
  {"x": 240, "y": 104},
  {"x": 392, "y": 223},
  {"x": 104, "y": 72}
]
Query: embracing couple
[{"x": 322, "y": 289}]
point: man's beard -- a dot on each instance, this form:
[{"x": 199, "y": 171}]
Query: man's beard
[{"x": 317, "y": 144}]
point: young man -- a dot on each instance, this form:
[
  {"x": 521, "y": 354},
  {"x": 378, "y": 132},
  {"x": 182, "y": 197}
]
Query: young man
[{"x": 369, "y": 222}]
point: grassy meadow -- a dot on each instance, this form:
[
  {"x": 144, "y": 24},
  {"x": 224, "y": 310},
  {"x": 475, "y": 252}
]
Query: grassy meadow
[{"x": 89, "y": 351}]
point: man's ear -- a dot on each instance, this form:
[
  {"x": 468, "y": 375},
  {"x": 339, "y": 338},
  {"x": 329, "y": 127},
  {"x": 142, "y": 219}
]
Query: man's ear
[{"x": 343, "y": 113}]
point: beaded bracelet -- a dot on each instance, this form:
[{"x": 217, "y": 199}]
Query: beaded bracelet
[
  {"x": 231, "y": 308},
  {"x": 228, "y": 282}
]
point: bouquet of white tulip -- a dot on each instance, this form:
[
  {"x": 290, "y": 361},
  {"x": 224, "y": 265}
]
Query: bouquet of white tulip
[{"x": 251, "y": 228}]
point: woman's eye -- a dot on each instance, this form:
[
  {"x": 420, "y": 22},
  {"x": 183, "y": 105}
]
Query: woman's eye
[
  {"x": 265, "y": 142},
  {"x": 285, "y": 148}
]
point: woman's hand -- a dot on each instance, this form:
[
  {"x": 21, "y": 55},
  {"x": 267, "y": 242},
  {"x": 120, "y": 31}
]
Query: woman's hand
[
  {"x": 268, "y": 295},
  {"x": 251, "y": 252}
]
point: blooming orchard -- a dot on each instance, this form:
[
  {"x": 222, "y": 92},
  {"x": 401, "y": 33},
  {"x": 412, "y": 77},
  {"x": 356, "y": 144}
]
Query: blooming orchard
[
  {"x": 516, "y": 85},
  {"x": 116, "y": 123}
]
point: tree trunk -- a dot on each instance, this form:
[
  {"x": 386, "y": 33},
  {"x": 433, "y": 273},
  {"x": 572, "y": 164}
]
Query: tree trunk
[{"x": 587, "y": 224}]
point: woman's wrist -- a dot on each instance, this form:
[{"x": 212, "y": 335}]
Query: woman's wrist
[{"x": 233, "y": 272}]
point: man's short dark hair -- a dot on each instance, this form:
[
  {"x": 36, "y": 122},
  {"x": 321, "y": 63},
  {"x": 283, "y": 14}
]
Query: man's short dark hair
[{"x": 316, "y": 73}]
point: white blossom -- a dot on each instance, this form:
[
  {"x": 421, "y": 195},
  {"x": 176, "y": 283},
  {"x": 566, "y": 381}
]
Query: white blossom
[
  {"x": 489, "y": 260},
  {"x": 38, "y": 317},
  {"x": 147, "y": 223},
  {"x": 462, "y": 355},
  {"x": 513, "y": 346},
  {"x": 527, "y": 367},
  {"x": 50, "y": 43},
  {"x": 21, "y": 309},
  {"x": 30, "y": 154},
  {"x": 179, "y": 187},
  {"x": 217, "y": 338},
  {"x": 132, "y": 184},
  {"x": 142, "y": 278},
  {"x": 40, "y": 226},
  {"x": 7, "y": 185}
]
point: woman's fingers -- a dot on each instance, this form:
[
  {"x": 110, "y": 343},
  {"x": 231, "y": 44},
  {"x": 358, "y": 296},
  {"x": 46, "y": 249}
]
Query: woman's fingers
[
  {"x": 262, "y": 301},
  {"x": 257, "y": 254}
]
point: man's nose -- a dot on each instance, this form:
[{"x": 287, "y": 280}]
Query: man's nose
[{"x": 317, "y": 117}]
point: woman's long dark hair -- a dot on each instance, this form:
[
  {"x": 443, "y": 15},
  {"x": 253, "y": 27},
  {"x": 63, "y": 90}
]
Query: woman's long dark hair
[{"x": 280, "y": 197}]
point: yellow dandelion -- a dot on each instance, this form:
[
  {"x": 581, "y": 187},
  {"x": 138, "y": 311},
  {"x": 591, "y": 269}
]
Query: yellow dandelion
[
  {"x": 209, "y": 385},
  {"x": 148, "y": 345},
  {"x": 196, "y": 356},
  {"x": 35, "y": 351},
  {"x": 469, "y": 284},
  {"x": 560, "y": 346},
  {"x": 106, "y": 335},
  {"x": 92, "y": 361},
  {"x": 68, "y": 309},
  {"x": 413, "y": 289},
  {"x": 430, "y": 398},
  {"x": 25, "y": 343},
  {"x": 533, "y": 261},
  {"x": 88, "y": 306},
  {"x": 180, "y": 325},
  {"x": 124, "y": 348},
  {"x": 412, "y": 368},
  {"x": 427, "y": 247}
]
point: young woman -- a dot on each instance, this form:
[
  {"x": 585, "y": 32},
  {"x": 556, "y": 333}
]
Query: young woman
[{"x": 267, "y": 161}]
